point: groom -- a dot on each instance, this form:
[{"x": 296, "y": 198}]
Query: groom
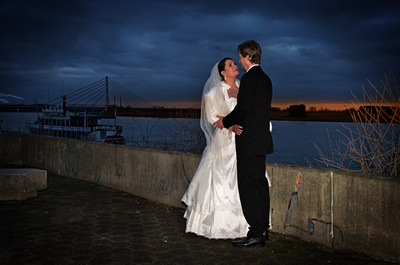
[{"x": 252, "y": 112}]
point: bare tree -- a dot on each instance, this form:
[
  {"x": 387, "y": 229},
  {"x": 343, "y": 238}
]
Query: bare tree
[{"x": 373, "y": 143}]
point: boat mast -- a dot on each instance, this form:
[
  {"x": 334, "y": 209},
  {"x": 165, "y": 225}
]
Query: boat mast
[{"x": 107, "y": 101}]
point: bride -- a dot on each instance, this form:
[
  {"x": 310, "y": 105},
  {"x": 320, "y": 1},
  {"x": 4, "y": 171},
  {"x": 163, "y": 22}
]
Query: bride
[{"x": 212, "y": 198}]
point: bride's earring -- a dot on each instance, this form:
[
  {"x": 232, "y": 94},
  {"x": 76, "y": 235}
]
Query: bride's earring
[{"x": 224, "y": 77}]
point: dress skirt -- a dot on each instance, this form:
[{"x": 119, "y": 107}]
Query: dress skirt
[{"x": 212, "y": 199}]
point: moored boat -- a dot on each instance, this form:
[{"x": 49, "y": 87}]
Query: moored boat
[{"x": 58, "y": 122}]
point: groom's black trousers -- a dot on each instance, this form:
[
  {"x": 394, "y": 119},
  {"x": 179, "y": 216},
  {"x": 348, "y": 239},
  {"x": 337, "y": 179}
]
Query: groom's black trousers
[{"x": 254, "y": 193}]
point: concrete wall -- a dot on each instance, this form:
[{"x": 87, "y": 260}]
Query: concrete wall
[
  {"x": 10, "y": 150},
  {"x": 339, "y": 209}
]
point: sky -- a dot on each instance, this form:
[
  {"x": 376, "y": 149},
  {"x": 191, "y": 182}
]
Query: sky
[{"x": 315, "y": 52}]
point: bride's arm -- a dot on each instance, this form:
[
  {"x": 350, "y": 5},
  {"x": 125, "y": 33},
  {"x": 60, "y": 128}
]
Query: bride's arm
[
  {"x": 212, "y": 113},
  {"x": 210, "y": 109}
]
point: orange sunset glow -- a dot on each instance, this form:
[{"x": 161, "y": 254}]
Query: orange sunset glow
[{"x": 282, "y": 106}]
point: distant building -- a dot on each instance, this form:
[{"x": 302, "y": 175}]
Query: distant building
[{"x": 297, "y": 111}]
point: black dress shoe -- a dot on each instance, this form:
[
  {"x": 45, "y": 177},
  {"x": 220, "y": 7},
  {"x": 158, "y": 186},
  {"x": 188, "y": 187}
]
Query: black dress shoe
[
  {"x": 249, "y": 242},
  {"x": 265, "y": 235}
]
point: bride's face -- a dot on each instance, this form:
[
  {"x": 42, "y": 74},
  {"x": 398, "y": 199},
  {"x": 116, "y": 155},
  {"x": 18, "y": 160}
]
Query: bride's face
[{"x": 231, "y": 69}]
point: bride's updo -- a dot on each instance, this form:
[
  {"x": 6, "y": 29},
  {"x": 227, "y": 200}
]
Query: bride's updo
[{"x": 221, "y": 66}]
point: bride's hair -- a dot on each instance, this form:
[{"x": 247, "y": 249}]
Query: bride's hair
[{"x": 221, "y": 65}]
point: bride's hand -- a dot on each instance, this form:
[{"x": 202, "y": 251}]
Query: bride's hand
[
  {"x": 237, "y": 129},
  {"x": 218, "y": 124},
  {"x": 232, "y": 93}
]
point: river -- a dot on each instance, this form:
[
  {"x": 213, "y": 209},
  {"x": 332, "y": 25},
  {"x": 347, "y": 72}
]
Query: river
[{"x": 294, "y": 141}]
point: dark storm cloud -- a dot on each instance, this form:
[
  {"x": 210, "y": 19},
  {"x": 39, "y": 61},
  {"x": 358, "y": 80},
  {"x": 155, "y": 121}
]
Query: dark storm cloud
[{"x": 164, "y": 50}]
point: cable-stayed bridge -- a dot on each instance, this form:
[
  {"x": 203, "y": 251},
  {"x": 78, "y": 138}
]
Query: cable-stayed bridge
[
  {"x": 109, "y": 98},
  {"x": 103, "y": 93}
]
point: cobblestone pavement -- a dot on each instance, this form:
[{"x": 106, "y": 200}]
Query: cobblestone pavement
[{"x": 74, "y": 222}]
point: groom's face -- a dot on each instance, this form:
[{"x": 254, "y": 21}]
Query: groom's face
[{"x": 245, "y": 62}]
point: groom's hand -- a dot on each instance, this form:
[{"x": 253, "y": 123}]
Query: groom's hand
[
  {"x": 237, "y": 129},
  {"x": 218, "y": 124}
]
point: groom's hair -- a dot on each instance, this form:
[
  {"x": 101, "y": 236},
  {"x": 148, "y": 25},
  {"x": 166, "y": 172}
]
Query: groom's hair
[{"x": 251, "y": 48}]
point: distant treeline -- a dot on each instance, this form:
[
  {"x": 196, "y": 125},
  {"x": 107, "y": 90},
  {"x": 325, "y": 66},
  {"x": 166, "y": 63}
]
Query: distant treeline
[{"x": 294, "y": 112}]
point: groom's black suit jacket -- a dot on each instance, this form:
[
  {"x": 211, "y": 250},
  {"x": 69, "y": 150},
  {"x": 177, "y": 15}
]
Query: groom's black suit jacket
[{"x": 253, "y": 113}]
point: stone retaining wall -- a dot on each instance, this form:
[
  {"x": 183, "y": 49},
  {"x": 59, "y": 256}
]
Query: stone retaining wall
[{"x": 339, "y": 209}]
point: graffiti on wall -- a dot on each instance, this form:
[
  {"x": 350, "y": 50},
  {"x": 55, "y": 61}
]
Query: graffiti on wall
[
  {"x": 310, "y": 227},
  {"x": 162, "y": 185}
]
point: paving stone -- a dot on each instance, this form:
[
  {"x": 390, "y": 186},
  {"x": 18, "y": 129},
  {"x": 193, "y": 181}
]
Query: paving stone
[{"x": 75, "y": 222}]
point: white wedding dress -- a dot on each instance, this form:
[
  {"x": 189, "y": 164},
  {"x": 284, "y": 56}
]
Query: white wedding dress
[{"x": 212, "y": 199}]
